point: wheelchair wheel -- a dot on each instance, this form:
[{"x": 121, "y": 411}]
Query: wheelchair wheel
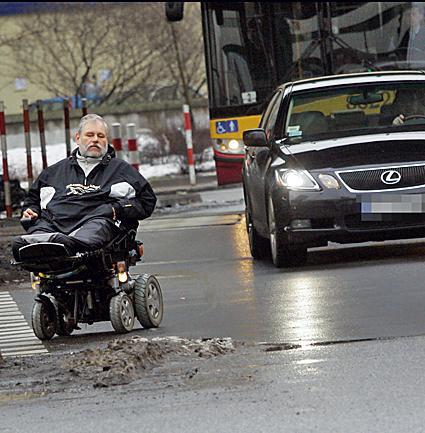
[
  {"x": 121, "y": 313},
  {"x": 43, "y": 319},
  {"x": 148, "y": 301},
  {"x": 63, "y": 327}
]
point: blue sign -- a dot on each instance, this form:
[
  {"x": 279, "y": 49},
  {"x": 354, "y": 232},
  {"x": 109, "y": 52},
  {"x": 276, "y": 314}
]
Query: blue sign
[{"x": 225, "y": 126}]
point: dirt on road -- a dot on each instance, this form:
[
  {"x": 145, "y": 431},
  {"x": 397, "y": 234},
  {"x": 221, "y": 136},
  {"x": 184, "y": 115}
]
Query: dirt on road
[{"x": 121, "y": 361}]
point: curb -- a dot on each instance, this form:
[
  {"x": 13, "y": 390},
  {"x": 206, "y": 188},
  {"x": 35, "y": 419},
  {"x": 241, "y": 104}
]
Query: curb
[{"x": 180, "y": 198}]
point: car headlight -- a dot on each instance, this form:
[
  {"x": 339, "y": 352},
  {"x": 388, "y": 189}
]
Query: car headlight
[
  {"x": 329, "y": 181},
  {"x": 297, "y": 180}
]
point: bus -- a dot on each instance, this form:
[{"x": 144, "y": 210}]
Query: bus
[{"x": 252, "y": 47}]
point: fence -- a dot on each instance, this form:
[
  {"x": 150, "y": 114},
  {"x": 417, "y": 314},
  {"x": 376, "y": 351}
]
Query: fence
[{"x": 166, "y": 124}]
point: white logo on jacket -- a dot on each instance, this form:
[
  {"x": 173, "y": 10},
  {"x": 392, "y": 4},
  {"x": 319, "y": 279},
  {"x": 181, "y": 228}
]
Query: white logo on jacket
[{"x": 79, "y": 189}]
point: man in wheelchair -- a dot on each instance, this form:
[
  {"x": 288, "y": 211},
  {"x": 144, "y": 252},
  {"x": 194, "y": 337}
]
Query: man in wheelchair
[
  {"x": 81, "y": 216},
  {"x": 81, "y": 201}
]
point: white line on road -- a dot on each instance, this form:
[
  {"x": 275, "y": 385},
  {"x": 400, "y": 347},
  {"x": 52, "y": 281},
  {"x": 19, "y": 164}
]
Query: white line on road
[{"x": 16, "y": 336}]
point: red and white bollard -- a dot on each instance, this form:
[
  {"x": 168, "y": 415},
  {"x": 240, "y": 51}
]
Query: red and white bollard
[
  {"x": 133, "y": 153},
  {"x": 41, "y": 132},
  {"x": 6, "y": 181},
  {"x": 117, "y": 140},
  {"x": 27, "y": 133},
  {"x": 189, "y": 144}
]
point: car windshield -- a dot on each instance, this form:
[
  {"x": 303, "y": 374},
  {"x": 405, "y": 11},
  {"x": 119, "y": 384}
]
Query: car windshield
[{"x": 355, "y": 110}]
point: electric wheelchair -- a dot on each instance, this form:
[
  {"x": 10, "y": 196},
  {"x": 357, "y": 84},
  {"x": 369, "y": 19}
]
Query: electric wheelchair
[{"x": 90, "y": 287}]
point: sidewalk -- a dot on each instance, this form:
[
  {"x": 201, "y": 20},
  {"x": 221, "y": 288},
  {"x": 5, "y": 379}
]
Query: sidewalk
[{"x": 176, "y": 190}]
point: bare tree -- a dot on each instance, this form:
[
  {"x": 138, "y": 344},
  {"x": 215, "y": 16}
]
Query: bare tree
[
  {"x": 185, "y": 58},
  {"x": 114, "y": 51},
  {"x": 79, "y": 49}
]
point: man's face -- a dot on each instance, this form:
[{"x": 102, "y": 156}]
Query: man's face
[{"x": 93, "y": 140}]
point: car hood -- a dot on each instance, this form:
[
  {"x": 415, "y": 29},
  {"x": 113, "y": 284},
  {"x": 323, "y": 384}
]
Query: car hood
[{"x": 354, "y": 151}]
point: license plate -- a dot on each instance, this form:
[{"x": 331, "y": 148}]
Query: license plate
[{"x": 392, "y": 203}]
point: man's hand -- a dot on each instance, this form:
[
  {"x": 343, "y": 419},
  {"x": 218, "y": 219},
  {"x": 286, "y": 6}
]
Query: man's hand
[
  {"x": 399, "y": 120},
  {"x": 29, "y": 213},
  {"x": 114, "y": 214}
]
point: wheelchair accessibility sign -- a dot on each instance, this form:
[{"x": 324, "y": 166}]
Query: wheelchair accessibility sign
[{"x": 226, "y": 126}]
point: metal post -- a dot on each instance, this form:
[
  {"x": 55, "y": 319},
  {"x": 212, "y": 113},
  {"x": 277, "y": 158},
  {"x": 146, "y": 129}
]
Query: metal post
[
  {"x": 6, "y": 181},
  {"x": 27, "y": 132},
  {"x": 42, "y": 134},
  {"x": 67, "y": 127},
  {"x": 116, "y": 140},
  {"x": 189, "y": 144},
  {"x": 133, "y": 154},
  {"x": 84, "y": 106}
]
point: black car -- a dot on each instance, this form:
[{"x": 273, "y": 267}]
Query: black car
[{"x": 339, "y": 158}]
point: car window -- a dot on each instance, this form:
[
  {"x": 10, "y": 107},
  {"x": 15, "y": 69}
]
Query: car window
[
  {"x": 269, "y": 108},
  {"x": 355, "y": 110},
  {"x": 271, "y": 121}
]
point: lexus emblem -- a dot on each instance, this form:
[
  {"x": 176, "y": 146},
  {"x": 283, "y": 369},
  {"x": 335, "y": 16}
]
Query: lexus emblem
[{"x": 390, "y": 177}]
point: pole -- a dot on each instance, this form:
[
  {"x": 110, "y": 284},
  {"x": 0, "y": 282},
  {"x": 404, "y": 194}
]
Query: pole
[
  {"x": 6, "y": 181},
  {"x": 84, "y": 106},
  {"x": 189, "y": 144},
  {"x": 67, "y": 127},
  {"x": 41, "y": 132},
  {"x": 133, "y": 154},
  {"x": 116, "y": 140},
  {"x": 27, "y": 133}
]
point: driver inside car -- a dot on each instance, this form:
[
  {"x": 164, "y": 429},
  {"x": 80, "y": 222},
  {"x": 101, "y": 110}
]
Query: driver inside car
[
  {"x": 408, "y": 102},
  {"x": 85, "y": 200}
]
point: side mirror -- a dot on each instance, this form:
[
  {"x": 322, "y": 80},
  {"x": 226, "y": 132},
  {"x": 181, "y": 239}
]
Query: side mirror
[
  {"x": 174, "y": 11},
  {"x": 255, "y": 137}
]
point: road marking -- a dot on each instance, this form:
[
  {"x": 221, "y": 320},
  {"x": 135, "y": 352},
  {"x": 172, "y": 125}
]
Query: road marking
[
  {"x": 163, "y": 224},
  {"x": 16, "y": 337}
]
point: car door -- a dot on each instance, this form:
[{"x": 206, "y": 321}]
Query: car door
[{"x": 260, "y": 158}]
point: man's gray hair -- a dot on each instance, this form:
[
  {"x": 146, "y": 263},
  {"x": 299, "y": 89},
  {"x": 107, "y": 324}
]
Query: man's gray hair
[{"x": 91, "y": 118}]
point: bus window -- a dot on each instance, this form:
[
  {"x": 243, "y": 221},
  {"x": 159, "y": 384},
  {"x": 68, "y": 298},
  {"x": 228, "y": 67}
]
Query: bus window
[{"x": 240, "y": 56}]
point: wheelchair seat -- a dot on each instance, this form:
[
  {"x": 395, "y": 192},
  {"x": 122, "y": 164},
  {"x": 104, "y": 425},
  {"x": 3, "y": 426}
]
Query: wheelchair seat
[{"x": 54, "y": 258}]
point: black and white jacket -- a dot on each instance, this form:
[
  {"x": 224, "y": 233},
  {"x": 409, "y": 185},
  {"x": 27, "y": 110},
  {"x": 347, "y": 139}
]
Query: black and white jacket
[{"x": 64, "y": 197}]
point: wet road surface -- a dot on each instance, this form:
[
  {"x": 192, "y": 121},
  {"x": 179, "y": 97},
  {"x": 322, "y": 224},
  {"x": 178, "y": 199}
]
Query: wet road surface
[{"x": 212, "y": 287}]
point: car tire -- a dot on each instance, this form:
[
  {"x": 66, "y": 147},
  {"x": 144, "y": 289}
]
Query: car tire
[
  {"x": 258, "y": 245},
  {"x": 283, "y": 255}
]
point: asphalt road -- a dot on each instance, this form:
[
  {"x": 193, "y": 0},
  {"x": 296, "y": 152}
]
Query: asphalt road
[
  {"x": 212, "y": 287},
  {"x": 355, "y": 315}
]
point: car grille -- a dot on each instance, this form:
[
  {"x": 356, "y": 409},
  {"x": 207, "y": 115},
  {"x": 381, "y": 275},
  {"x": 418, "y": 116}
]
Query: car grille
[{"x": 370, "y": 180}]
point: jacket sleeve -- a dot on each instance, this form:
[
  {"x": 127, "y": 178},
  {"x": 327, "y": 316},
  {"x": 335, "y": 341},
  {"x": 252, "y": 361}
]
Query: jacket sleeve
[{"x": 142, "y": 202}]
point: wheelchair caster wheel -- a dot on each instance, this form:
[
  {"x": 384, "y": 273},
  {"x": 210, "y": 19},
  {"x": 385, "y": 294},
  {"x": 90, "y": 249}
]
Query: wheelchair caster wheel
[
  {"x": 121, "y": 313},
  {"x": 148, "y": 301},
  {"x": 43, "y": 320}
]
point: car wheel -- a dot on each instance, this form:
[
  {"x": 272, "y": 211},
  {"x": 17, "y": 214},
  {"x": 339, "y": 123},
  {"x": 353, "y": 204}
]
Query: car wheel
[
  {"x": 282, "y": 254},
  {"x": 148, "y": 301},
  {"x": 43, "y": 320},
  {"x": 258, "y": 246},
  {"x": 121, "y": 313}
]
